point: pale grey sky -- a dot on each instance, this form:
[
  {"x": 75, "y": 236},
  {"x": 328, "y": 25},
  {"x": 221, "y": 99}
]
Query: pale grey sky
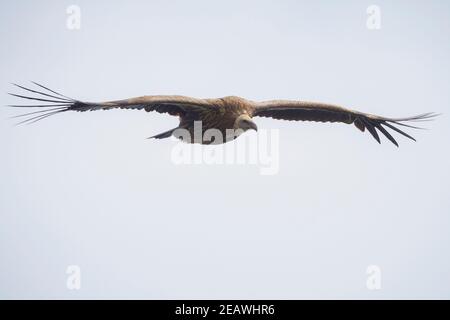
[{"x": 89, "y": 189}]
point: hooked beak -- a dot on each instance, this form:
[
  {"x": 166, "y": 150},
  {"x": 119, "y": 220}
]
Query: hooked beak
[{"x": 253, "y": 126}]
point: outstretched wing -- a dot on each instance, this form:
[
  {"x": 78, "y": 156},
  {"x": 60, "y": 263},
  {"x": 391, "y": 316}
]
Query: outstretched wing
[
  {"x": 320, "y": 112},
  {"x": 52, "y": 102}
]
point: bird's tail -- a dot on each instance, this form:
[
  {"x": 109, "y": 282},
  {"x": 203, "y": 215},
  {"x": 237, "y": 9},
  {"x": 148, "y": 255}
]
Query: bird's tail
[{"x": 163, "y": 135}]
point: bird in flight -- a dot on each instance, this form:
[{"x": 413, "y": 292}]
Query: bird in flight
[{"x": 229, "y": 114}]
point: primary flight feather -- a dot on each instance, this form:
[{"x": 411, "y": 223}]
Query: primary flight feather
[{"x": 225, "y": 115}]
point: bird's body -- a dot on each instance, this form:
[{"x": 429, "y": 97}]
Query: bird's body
[
  {"x": 222, "y": 116},
  {"x": 227, "y": 117}
]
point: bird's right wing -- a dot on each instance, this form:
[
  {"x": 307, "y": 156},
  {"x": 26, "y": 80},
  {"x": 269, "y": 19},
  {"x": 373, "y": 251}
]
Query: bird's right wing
[
  {"x": 52, "y": 102},
  {"x": 322, "y": 112}
]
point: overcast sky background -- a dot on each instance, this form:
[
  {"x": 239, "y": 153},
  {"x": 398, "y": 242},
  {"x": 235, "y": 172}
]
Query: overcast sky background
[{"x": 89, "y": 189}]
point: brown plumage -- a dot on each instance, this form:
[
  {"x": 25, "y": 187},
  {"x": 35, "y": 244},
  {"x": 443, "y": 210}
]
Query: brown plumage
[{"x": 228, "y": 114}]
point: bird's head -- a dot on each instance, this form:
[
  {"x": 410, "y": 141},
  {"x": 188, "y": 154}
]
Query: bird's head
[{"x": 245, "y": 122}]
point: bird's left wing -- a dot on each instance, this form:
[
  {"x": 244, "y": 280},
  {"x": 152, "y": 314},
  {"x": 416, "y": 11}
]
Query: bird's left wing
[
  {"x": 52, "y": 102},
  {"x": 320, "y": 112}
]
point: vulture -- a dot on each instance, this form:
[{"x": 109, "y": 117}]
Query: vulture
[{"x": 228, "y": 116}]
